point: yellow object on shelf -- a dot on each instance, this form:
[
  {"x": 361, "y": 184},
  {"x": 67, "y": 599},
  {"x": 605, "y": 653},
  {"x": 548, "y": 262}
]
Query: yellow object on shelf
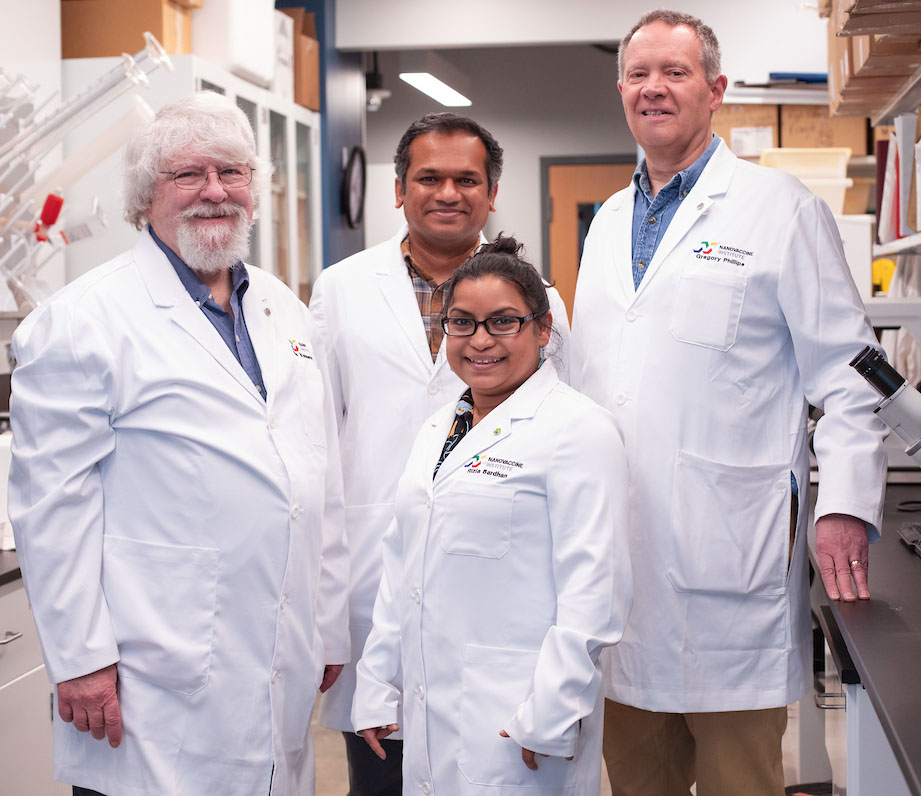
[{"x": 883, "y": 269}]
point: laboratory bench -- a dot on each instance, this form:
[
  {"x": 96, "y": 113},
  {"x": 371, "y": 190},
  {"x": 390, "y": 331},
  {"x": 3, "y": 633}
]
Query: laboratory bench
[{"x": 873, "y": 659}]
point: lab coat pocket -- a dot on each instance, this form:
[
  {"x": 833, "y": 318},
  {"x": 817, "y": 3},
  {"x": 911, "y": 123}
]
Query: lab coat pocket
[
  {"x": 731, "y": 527},
  {"x": 161, "y": 600},
  {"x": 476, "y": 521},
  {"x": 707, "y": 309},
  {"x": 494, "y": 683},
  {"x": 311, "y": 393}
]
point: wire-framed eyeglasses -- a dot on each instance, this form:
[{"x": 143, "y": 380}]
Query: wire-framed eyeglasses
[
  {"x": 192, "y": 179},
  {"x": 498, "y": 326}
]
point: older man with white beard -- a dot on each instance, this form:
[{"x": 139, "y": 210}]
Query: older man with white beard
[{"x": 175, "y": 489}]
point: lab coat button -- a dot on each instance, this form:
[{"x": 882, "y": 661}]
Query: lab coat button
[
  {"x": 426, "y": 788},
  {"x": 433, "y": 389},
  {"x": 620, "y": 399},
  {"x": 417, "y": 595},
  {"x": 275, "y": 677},
  {"x": 284, "y": 602},
  {"x": 296, "y": 512},
  {"x": 272, "y": 424},
  {"x": 420, "y": 692},
  {"x": 632, "y": 315},
  {"x": 428, "y": 503}
]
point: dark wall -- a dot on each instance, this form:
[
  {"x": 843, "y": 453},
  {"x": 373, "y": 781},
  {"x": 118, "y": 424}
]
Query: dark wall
[{"x": 342, "y": 109}]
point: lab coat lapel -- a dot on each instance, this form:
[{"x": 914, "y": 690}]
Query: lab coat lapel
[
  {"x": 619, "y": 272},
  {"x": 167, "y": 292},
  {"x": 397, "y": 287},
  {"x": 713, "y": 181},
  {"x": 497, "y": 425},
  {"x": 261, "y": 325}
]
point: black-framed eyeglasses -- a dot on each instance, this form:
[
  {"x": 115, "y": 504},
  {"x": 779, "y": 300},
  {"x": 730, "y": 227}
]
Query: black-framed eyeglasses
[
  {"x": 498, "y": 326},
  {"x": 195, "y": 179}
]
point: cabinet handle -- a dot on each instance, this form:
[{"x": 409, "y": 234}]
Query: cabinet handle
[
  {"x": 11, "y": 635},
  {"x": 824, "y": 701}
]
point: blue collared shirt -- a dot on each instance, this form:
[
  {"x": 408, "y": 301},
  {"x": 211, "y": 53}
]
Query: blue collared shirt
[
  {"x": 232, "y": 329},
  {"x": 653, "y": 214}
]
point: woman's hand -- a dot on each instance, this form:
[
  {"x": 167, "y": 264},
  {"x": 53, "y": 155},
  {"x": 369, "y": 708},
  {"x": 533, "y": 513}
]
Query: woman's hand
[
  {"x": 528, "y": 757},
  {"x": 373, "y": 735}
]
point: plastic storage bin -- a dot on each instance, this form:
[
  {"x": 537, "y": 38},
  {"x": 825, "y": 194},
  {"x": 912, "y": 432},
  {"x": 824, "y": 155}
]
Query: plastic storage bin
[{"x": 809, "y": 162}]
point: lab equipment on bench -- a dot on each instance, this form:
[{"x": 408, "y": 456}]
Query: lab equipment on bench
[{"x": 900, "y": 407}]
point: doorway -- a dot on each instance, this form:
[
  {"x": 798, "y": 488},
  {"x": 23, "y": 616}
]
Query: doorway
[{"x": 572, "y": 191}]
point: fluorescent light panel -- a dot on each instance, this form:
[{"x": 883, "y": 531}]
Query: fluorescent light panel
[{"x": 435, "y": 88}]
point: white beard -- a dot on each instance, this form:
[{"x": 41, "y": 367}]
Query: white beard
[{"x": 209, "y": 250}]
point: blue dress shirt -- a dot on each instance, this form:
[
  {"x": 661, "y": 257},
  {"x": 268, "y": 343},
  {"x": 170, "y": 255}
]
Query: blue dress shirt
[
  {"x": 653, "y": 214},
  {"x": 232, "y": 329}
]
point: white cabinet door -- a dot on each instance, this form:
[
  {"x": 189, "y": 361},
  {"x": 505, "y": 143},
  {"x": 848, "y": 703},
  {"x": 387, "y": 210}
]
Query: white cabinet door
[{"x": 25, "y": 737}]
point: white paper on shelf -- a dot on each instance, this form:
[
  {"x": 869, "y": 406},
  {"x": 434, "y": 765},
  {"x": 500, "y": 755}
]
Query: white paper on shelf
[
  {"x": 888, "y": 223},
  {"x": 905, "y": 124},
  {"x": 746, "y": 142}
]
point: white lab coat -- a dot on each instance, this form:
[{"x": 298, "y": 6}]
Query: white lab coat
[
  {"x": 169, "y": 519},
  {"x": 748, "y": 309},
  {"x": 384, "y": 385},
  {"x": 503, "y": 578}
]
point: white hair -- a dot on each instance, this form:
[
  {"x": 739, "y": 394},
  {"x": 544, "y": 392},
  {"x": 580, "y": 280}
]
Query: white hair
[{"x": 204, "y": 124}]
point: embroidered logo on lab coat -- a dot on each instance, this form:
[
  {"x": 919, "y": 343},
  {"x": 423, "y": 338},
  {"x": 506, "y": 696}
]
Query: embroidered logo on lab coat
[
  {"x": 301, "y": 349},
  {"x": 491, "y": 466},
  {"x": 722, "y": 253}
]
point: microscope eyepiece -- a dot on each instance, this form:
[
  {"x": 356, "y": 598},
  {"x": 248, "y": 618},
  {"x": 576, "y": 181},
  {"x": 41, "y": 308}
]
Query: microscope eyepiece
[{"x": 871, "y": 364}]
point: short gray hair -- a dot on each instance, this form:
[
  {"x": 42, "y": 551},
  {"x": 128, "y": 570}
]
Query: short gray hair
[
  {"x": 709, "y": 46},
  {"x": 204, "y": 124}
]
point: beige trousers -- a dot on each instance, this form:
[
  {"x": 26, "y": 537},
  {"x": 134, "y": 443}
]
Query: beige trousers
[{"x": 734, "y": 753}]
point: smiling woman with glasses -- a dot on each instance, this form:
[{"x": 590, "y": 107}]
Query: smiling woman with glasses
[{"x": 506, "y": 569}]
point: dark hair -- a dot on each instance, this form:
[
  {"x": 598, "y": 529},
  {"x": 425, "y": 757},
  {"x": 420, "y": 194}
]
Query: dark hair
[
  {"x": 502, "y": 259},
  {"x": 448, "y": 123},
  {"x": 709, "y": 46}
]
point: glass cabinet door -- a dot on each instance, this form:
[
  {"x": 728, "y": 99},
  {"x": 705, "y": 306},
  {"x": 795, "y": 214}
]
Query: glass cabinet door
[
  {"x": 249, "y": 108},
  {"x": 278, "y": 139},
  {"x": 304, "y": 151}
]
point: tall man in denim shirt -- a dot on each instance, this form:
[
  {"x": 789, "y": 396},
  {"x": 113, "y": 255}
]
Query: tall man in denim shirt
[{"x": 739, "y": 309}]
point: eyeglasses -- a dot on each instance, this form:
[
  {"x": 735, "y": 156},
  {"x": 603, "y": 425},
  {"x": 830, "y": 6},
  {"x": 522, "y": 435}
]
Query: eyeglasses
[
  {"x": 196, "y": 179},
  {"x": 498, "y": 326}
]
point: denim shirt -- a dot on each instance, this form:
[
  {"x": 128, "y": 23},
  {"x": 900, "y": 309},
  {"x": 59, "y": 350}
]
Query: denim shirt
[
  {"x": 232, "y": 330},
  {"x": 653, "y": 214}
]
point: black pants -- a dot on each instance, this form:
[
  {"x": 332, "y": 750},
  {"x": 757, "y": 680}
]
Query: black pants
[
  {"x": 85, "y": 792},
  {"x": 368, "y": 774}
]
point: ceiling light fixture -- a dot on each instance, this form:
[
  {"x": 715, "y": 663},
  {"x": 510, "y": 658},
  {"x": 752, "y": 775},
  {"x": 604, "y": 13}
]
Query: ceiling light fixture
[{"x": 431, "y": 74}]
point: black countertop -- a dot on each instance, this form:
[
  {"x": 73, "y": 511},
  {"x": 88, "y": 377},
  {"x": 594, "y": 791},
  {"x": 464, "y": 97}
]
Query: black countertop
[
  {"x": 883, "y": 635},
  {"x": 9, "y": 567}
]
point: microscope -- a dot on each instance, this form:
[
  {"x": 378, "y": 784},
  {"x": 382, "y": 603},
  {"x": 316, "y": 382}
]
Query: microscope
[{"x": 900, "y": 409}]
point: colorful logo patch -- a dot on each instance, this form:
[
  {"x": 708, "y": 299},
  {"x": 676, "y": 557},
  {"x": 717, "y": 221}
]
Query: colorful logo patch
[{"x": 300, "y": 349}]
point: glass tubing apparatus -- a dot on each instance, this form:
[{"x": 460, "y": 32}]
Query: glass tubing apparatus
[{"x": 29, "y": 208}]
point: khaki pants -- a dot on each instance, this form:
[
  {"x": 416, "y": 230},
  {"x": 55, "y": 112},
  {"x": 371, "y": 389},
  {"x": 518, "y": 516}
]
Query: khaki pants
[{"x": 735, "y": 753}]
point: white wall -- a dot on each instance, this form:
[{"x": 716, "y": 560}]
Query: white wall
[{"x": 757, "y": 37}]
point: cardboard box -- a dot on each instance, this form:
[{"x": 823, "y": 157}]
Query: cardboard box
[
  {"x": 899, "y": 22},
  {"x": 306, "y": 59},
  {"x": 812, "y": 126},
  {"x": 875, "y": 55},
  {"x": 98, "y": 28},
  {"x": 747, "y": 129}
]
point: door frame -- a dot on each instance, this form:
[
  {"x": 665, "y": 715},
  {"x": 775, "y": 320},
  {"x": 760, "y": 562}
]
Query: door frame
[{"x": 566, "y": 160}]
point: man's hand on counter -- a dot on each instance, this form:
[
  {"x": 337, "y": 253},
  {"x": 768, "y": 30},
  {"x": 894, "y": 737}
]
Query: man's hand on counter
[
  {"x": 842, "y": 553},
  {"x": 91, "y": 703}
]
